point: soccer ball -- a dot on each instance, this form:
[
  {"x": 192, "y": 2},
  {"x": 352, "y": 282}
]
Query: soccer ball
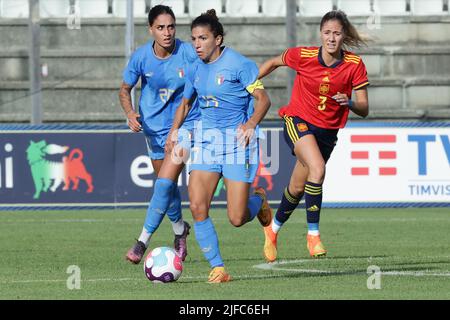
[{"x": 163, "y": 265}]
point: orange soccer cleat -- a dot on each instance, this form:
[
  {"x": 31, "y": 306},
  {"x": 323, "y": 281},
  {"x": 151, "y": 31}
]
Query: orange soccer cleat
[
  {"x": 270, "y": 244},
  {"x": 265, "y": 213},
  {"x": 218, "y": 275},
  {"x": 315, "y": 246}
]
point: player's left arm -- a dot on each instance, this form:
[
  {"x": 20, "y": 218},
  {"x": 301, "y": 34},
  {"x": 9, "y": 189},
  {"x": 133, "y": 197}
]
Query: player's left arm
[
  {"x": 359, "y": 82},
  {"x": 261, "y": 106},
  {"x": 359, "y": 106}
]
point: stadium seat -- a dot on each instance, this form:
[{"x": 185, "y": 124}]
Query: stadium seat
[
  {"x": 247, "y": 8},
  {"x": 272, "y": 8},
  {"x": 197, "y": 7},
  {"x": 14, "y": 8},
  {"x": 427, "y": 7},
  {"x": 355, "y": 7},
  {"x": 176, "y": 5},
  {"x": 54, "y": 8},
  {"x": 119, "y": 8},
  {"x": 315, "y": 8},
  {"x": 92, "y": 8},
  {"x": 390, "y": 7}
]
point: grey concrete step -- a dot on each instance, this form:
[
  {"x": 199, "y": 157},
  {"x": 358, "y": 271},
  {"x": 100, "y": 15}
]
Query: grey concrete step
[
  {"x": 442, "y": 113},
  {"x": 407, "y": 93},
  {"x": 98, "y": 100},
  {"x": 79, "y": 64},
  {"x": 64, "y": 64},
  {"x": 257, "y": 32},
  {"x": 62, "y": 101}
]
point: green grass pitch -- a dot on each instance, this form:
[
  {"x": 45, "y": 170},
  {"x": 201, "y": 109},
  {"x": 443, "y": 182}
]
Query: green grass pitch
[{"x": 411, "y": 248}]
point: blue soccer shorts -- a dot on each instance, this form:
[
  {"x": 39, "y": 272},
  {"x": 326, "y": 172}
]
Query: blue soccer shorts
[
  {"x": 156, "y": 143},
  {"x": 239, "y": 165}
]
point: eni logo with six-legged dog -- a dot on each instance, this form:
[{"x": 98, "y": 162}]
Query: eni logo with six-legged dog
[{"x": 49, "y": 174}]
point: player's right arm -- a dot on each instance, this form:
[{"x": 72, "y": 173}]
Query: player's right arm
[
  {"x": 189, "y": 95},
  {"x": 127, "y": 107},
  {"x": 269, "y": 65},
  {"x": 130, "y": 77},
  {"x": 180, "y": 116}
]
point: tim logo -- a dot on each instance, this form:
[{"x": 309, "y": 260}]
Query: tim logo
[
  {"x": 385, "y": 143},
  {"x": 49, "y": 174}
]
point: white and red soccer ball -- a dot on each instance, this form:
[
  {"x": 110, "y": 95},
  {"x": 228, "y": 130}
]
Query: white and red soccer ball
[{"x": 163, "y": 265}]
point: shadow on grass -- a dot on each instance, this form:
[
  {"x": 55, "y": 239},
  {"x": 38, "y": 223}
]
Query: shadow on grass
[{"x": 277, "y": 270}]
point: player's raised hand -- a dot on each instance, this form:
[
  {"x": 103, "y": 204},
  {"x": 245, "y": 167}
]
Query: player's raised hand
[
  {"x": 245, "y": 133},
  {"x": 133, "y": 120},
  {"x": 341, "y": 98},
  {"x": 171, "y": 141}
]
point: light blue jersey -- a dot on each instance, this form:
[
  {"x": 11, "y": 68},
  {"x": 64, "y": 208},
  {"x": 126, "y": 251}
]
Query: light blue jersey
[
  {"x": 162, "y": 85},
  {"x": 225, "y": 104},
  {"x": 221, "y": 89}
]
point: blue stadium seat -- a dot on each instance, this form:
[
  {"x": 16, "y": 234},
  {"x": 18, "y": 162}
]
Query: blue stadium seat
[
  {"x": 247, "y": 8},
  {"x": 176, "y": 5},
  {"x": 197, "y": 7},
  {"x": 355, "y": 7},
  {"x": 14, "y": 8},
  {"x": 119, "y": 8},
  {"x": 315, "y": 8}
]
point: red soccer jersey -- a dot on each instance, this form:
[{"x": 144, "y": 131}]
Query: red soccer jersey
[{"x": 315, "y": 84}]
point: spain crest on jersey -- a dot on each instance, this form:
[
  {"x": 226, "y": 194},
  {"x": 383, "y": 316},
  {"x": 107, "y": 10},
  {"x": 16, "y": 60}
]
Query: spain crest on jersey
[
  {"x": 302, "y": 127},
  {"x": 219, "y": 79},
  {"x": 324, "y": 88}
]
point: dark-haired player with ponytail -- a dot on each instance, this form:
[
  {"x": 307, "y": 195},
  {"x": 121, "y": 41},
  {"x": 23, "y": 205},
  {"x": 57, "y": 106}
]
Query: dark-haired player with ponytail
[
  {"x": 227, "y": 86},
  {"x": 161, "y": 65},
  {"x": 320, "y": 103}
]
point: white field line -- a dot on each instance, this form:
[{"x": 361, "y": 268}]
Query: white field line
[
  {"x": 276, "y": 266},
  {"x": 64, "y": 280},
  {"x": 241, "y": 277}
]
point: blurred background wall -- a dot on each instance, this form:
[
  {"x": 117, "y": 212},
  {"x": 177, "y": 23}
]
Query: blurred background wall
[{"x": 82, "y": 52}]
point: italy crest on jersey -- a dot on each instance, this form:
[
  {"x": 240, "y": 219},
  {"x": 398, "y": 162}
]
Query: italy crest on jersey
[
  {"x": 180, "y": 73},
  {"x": 219, "y": 79}
]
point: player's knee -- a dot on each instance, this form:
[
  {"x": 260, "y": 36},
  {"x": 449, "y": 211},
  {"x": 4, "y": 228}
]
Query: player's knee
[
  {"x": 238, "y": 219},
  {"x": 317, "y": 172},
  {"x": 296, "y": 188},
  {"x": 198, "y": 208}
]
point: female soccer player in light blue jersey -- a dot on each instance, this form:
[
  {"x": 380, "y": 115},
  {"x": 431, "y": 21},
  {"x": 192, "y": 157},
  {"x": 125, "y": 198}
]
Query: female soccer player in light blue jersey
[
  {"x": 161, "y": 66},
  {"x": 225, "y": 83}
]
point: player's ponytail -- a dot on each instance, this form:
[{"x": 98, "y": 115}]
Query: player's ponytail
[
  {"x": 212, "y": 13},
  {"x": 353, "y": 39},
  {"x": 210, "y": 19}
]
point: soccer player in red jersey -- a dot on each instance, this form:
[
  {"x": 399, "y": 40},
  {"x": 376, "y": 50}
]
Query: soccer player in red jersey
[{"x": 320, "y": 103}]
